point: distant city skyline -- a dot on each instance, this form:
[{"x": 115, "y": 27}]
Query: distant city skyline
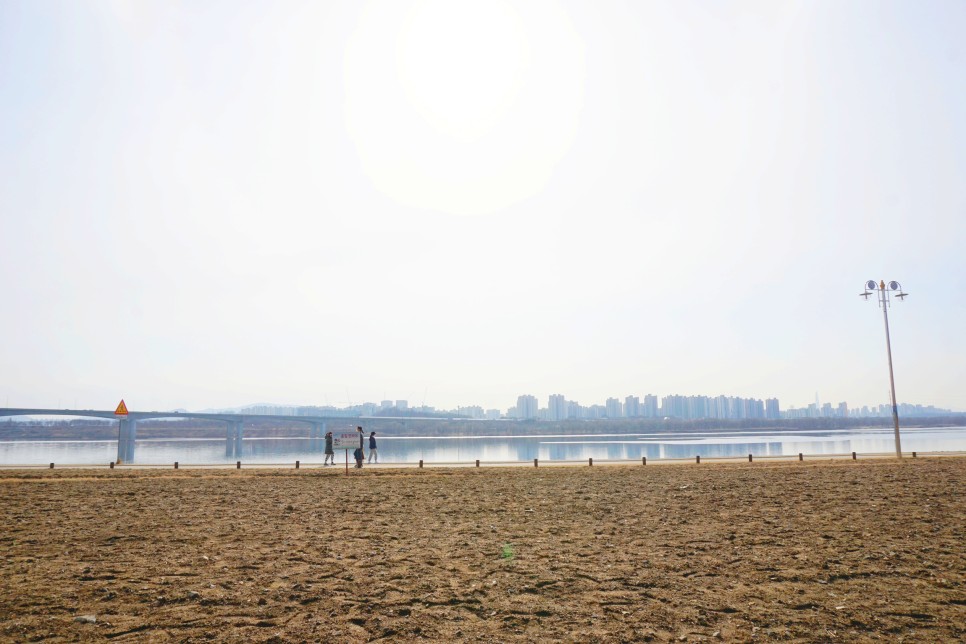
[{"x": 647, "y": 406}]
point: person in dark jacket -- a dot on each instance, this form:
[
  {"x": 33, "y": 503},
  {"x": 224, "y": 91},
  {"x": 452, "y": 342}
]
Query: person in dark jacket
[
  {"x": 359, "y": 454},
  {"x": 329, "y": 452},
  {"x": 372, "y": 448}
]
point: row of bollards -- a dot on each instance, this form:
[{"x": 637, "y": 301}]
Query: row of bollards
[{"x": 590, "y": 461}]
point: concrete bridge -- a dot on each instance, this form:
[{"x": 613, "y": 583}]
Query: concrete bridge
[{"x": 128, "y": 426}]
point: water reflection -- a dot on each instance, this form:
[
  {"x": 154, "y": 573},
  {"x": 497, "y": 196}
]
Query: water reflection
[{"x": 496, "y": 449}]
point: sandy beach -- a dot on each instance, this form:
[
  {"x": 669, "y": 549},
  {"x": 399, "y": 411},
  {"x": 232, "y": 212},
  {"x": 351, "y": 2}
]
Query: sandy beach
[{"x": 816, "y": 551}]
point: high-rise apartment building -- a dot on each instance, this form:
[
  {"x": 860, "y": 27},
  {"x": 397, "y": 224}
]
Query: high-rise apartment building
[
  {"x": 650, "y": 406},
  {"x": 614, "y": 408},
  {"x": 574, "y": 410},
  {"x": 473, "y": 411},
  {"x": 557, "y": 407},
  {"x": 675, "y": 406},
  {"x": 729, "y": 407},
  {"x": 772, "y": 411},
  {"x": 527, "y": 407},
  {"x": 632, "y": 407}
]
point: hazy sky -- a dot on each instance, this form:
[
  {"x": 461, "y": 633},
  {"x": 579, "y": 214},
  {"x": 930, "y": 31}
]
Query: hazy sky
[{"x": 211, "y": 204}]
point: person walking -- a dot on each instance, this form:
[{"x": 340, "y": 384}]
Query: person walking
[
  {"x": 372, "y": 448},
  {"x": 359, "y": 454},
  {"x": 329, "y": 452}
]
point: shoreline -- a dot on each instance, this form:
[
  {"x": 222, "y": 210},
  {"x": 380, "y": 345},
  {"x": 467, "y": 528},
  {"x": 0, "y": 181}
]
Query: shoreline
[{"x": 317, "y": 465}]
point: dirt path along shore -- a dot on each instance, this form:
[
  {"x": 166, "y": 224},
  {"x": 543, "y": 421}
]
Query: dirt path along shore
[{"x": 842, "y": 551}]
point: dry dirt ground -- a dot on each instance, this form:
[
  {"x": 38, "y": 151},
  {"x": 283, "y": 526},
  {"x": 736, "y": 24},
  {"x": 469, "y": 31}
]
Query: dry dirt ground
[{"x": 807, "y": 552}]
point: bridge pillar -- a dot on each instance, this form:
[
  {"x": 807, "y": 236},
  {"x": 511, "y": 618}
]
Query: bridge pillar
[
  {"x": 239, "y": 427},
  {"x": 315, "y": 434},
  {"x": 229, "y": 439},
  {"x": 132, "y": 436},
  {"x": 126, "y": 435},
  {"x": 121, "y": 440}
]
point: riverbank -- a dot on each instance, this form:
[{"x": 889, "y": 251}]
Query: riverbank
[
  {"x": 814, "y": 551},
  {"x": 348, "y": 465},
  {"x": 32, "y": 429}
]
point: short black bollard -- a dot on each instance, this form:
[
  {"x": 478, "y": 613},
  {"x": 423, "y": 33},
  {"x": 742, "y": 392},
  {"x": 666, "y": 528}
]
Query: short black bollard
[
  {"x": 590, "y": 462},
  {"x": 801, "y": 457},
  {"x": 296, "y": 464},
  {"x": 51, "y": 466},
  {"x": 112, "y": 465},
  {"x": 853, "y": 456},
  {"x": 477, "y": 462},
  {"x": 176, "y": 465},
  {"x": 643, "y": 460},
  {"x": 697, "y": 459},
  {"x": 914, "y": 455},
  {"x": 237, "y": 465},
  {"x": 535, "y": 462},
  {"x": 420, "y": 463},
  {"x": 749, "y": 458}
]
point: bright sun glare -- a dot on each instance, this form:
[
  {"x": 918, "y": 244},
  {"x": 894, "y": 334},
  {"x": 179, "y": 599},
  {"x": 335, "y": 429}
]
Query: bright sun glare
[
  {"x": 461, "y": 66},
  {"x": 463, "y": 107}
]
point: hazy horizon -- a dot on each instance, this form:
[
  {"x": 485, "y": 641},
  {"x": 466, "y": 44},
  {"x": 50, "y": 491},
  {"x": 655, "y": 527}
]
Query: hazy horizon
[{"x": 458, "y": 203}]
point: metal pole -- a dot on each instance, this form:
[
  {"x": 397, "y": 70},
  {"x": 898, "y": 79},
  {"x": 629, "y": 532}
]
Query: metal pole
[
  {"x": 121, "y": 454},
  {"x": 883, "y": 299}
]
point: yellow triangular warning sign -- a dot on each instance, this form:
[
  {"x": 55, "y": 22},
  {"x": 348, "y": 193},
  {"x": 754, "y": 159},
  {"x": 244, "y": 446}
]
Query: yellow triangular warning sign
[{"x": 121, "y": 409}]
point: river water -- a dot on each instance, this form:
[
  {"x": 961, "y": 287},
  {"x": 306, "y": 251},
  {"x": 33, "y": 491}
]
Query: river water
[{"x": 500, "y": 449}]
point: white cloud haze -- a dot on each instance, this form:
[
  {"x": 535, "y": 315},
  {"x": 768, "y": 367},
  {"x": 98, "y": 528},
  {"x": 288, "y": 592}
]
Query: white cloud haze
[{"x": 214, "y": 204}]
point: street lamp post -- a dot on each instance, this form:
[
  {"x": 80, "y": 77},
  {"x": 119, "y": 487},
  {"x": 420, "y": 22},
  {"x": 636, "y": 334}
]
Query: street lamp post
[{"x": 883, "y": 290}]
